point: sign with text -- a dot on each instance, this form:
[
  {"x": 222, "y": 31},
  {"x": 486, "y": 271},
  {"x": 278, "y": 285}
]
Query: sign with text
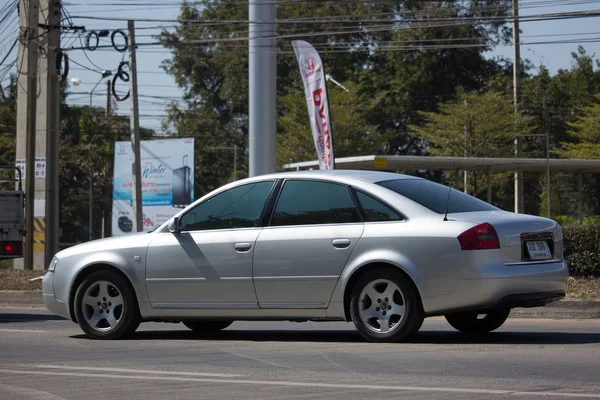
[
  {"x": 315, "y": 89},
  {"x": 167, "y": 182}
]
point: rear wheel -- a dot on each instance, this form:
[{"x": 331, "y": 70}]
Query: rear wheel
[
  {"x": 385, "y": 307},
  {"x": 474, "y": 322},
  {"x": 207, "y": 327},
  {"x": 106, "y": 307}
]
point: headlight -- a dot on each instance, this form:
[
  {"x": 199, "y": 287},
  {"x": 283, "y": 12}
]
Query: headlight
[{"x": 52, "y": 265}]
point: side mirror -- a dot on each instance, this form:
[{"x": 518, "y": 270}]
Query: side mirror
[{"x": 174, "y": 226}]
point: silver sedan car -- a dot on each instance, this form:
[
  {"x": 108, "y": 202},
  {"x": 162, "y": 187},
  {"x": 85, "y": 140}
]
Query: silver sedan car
[{"x": 379, "y": 249}]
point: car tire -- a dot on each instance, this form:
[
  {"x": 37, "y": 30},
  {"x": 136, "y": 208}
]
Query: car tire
[
  {"x": 389, "y": 289},
  {"x": 207, "y": 327},
  {"x": 106, "y": 306},
  {"x": 469, "y": 322}
]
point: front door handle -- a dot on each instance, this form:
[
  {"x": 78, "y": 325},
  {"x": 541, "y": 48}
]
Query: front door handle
[
  {"x": 341, "y": 243},
  {"x": 242, "y": 247}
]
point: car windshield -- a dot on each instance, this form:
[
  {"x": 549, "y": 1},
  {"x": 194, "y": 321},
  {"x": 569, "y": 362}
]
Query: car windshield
[{"x": 435, "y": 196}]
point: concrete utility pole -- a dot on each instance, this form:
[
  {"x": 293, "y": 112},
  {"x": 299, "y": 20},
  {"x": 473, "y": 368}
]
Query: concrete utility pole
[
  {"x": 26, "y": 112},
  {"x": 52, "y": 109},
  {"x": 519, "y": 198},
  {"x": 136, "y": 187},
  {"x": 262, "y": 86}
]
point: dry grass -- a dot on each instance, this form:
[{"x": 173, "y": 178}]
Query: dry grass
[
  {"x": 18, "y": 279},
  {"x": 15, "y": 279},
  {"x": 584, "y": 288}
]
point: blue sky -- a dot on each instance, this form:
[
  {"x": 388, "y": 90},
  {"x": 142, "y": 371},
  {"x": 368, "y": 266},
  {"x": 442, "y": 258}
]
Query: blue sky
[{"x": 155, "y": 83}]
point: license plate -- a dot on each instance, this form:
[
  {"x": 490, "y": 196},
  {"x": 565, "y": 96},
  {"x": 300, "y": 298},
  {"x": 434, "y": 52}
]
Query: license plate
[{"x": 538, "y": 250}]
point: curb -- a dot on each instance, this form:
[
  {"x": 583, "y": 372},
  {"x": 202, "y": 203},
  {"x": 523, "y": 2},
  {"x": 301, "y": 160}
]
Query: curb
[
  {"x": 563, "y": 309},
  {"x": 21, "y": 298}
]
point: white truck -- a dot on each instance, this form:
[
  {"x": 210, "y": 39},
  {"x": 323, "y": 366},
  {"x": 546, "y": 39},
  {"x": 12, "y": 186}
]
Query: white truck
[{"x": 12, "y": 213}]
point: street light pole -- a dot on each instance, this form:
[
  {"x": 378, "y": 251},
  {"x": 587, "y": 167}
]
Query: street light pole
[
  {"x": 105, "y": 74},
  {"x": 547, "y": 136}
]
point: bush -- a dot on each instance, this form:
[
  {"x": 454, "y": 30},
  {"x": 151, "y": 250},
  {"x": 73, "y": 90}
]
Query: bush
[{"x": 582, "y": 249}]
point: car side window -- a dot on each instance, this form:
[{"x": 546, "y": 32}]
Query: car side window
[
  {"x": 313, "y": 202},
  {"x": 239, "y": 207},
  {"x": 375, "y": 210}
]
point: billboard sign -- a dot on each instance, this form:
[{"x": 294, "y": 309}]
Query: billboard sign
[{"x": 167, "y": 182}]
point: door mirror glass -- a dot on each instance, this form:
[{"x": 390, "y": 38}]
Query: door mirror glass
[{"x": 174, "y": 225}]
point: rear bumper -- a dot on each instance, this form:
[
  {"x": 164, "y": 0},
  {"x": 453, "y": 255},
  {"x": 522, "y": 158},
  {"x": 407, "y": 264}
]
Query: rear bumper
[
  {"x": 504, "y": 286},
  {"x": 54, "y": 306}
]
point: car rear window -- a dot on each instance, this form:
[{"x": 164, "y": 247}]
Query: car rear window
[{"x": 435, "y": 196}]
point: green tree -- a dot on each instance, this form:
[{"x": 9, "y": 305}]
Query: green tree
[
  {"x": 352, "y": 135},
  {"x": 396, "y": 71},
  {"x": 8, "y": 123},
  {"x": 585, "y": 133},
  {"x": 473, "y": 125}
]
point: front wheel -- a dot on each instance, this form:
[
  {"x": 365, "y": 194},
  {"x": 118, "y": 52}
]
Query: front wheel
[
  {"x": 385, "y": 307},
  {"x": 106, "y": 307},
  {"x": 474, "y": 322}
]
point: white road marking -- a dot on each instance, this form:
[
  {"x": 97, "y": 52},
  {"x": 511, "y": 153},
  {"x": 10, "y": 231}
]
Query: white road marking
[
  {"x": 22, "y": 330},
  {"x": 137, "y": 371},
  {"x": 306, "y": 384}
]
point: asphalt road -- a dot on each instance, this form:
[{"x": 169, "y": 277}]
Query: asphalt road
[{"x": 45, "y": 357}]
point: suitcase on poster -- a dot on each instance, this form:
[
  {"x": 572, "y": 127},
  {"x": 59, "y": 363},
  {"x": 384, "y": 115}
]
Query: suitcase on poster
[{"x": 182, "y": 182}]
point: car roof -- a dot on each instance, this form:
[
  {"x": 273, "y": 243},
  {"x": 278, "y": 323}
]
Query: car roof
[{"x": 363, "y": 175}]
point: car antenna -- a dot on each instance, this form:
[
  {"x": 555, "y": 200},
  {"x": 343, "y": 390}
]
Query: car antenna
[{"x": 447, "y": 204}]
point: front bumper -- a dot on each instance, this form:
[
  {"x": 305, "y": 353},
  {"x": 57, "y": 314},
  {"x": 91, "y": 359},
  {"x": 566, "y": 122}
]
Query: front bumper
[{"x": 52, "y": 303}]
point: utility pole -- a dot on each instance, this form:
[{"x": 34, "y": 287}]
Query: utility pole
[
  {"x": 262, "y": 86},
  {"x": 136, "y": 187},
  {"x": 52, "y": 106},
  {"x": 108, "y": 93},
  {"x": 519, "y": 199},
  {"x": 548, "y": 211},
  {"x": 466, "y": 172},
  {"x": 26, "y": 111}
]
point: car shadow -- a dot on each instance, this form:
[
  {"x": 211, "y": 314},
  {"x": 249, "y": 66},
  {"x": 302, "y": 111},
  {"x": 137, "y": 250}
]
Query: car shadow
[
  {"x": 351, "y": 336},
  {"x": 24, "y": 317}
]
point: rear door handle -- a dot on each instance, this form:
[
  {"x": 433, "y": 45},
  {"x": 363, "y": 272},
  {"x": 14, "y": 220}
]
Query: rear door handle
[
  {"x": 341, "y": 243},
  {"x": 242, "y": 247}
]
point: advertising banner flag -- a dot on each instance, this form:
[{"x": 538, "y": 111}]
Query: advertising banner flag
[
  {"x": 167, "y": 182},
  {"x": 315, "y": 88}
]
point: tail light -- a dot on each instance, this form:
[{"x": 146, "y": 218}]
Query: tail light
[
  {"x": 480, "y": 237},
  {"x": 14, "y": 249}
]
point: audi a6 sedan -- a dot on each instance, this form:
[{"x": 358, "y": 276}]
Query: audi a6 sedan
[{"x": 379, "y": 249}]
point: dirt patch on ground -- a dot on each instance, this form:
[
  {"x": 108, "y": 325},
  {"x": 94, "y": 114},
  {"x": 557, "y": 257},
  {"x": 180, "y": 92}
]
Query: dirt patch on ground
[
  {"x": 584, "y": 288},
  {"x": 18, "y": 279}
]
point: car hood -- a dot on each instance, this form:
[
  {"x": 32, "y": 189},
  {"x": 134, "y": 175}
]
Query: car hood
[{"x": 141, "y": 239}]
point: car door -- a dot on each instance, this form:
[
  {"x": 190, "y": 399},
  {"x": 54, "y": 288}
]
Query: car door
[
  {"x": 209, "y": 263},
  {"x": 300, "y": 255}
]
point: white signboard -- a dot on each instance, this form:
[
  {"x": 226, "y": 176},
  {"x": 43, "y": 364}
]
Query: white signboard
[
  {"x": 22, "y": 165},
  {"x": 167, "y": 182},
  {"x": 40, "y": 167}
]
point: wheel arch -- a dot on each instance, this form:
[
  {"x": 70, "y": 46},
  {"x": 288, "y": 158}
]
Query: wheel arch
[
  {"x": 363, "y": 269},
  {"x": 87, "y": 271}
]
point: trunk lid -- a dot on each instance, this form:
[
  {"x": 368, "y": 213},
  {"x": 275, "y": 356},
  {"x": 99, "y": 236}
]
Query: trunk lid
[{"x": 515, "y": 231}]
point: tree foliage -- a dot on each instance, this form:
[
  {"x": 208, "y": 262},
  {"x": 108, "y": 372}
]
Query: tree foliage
[{"x": 473, "y": 125}]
